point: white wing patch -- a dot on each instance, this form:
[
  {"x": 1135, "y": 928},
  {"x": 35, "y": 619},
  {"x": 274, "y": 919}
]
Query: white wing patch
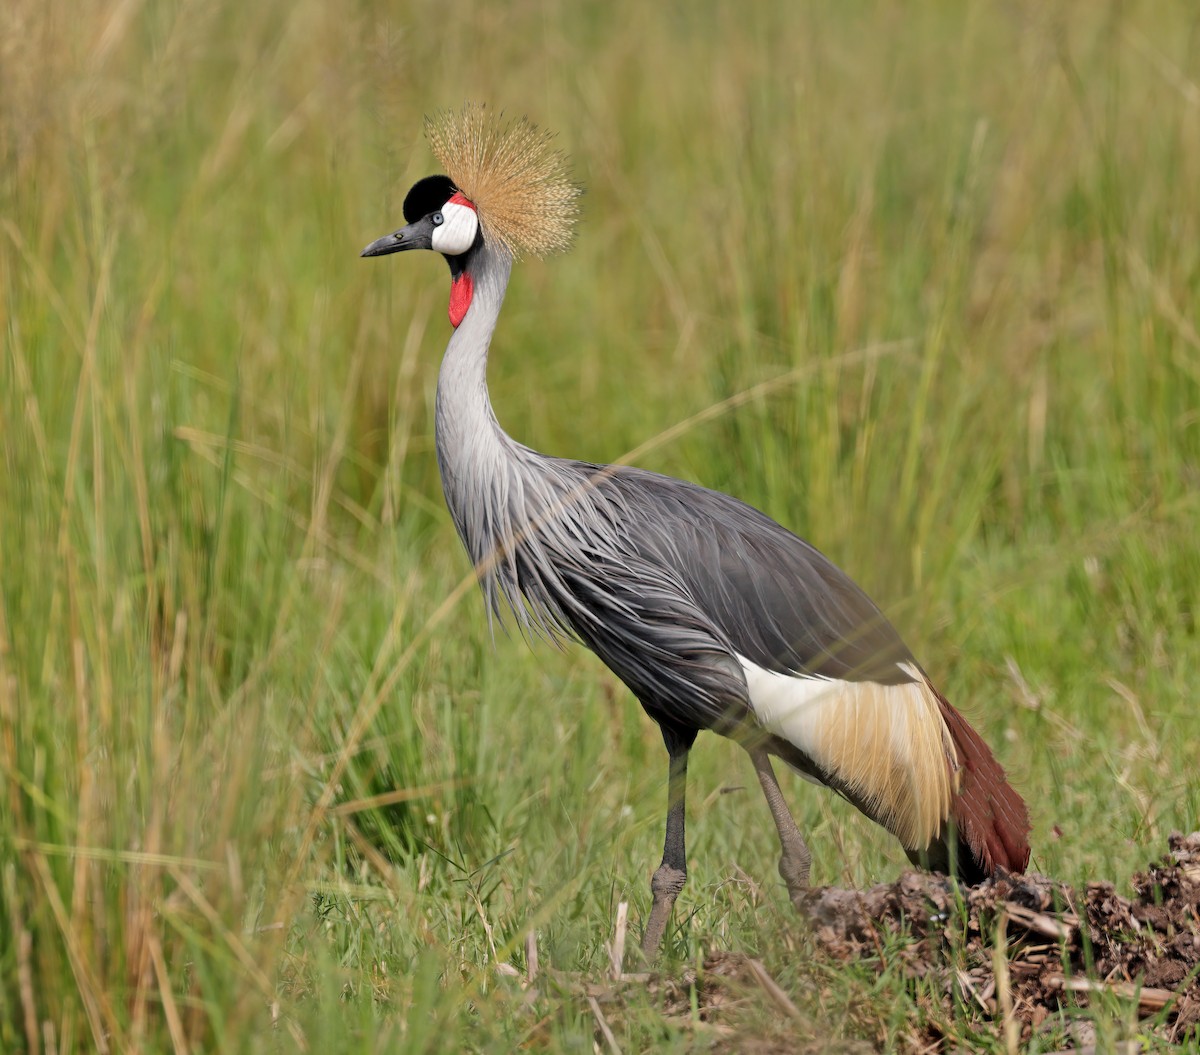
[
  {"x": 456, "y": 233},
  {"x": 887, "y": 743}
]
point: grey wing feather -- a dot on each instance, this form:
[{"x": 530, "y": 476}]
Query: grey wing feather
[
  {"x": 668, "y": 583},
  {"x": 553, "y": 544},
  {"x": 778, "y": 601},
  {"x": 659, "y": 642}
]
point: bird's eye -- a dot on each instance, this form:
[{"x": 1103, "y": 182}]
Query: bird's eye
[{"x": 436, "y": 219}]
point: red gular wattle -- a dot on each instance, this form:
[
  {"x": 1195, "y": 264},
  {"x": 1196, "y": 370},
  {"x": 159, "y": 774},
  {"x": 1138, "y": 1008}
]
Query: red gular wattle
[{"x": 461, "y": 291}]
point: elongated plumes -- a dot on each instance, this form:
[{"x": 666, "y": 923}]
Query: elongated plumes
[{"x": 510, "y": 171}]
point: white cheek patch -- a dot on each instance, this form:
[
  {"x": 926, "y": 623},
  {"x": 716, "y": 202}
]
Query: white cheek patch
[{"x": 456, "y": 233}]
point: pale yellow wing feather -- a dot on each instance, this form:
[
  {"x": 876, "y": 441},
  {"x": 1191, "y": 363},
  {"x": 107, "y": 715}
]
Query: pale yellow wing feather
[{"x": 888, "y": 744}]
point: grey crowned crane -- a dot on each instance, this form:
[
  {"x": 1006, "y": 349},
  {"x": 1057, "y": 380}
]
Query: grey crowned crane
[{"x": 714, "y": 616}]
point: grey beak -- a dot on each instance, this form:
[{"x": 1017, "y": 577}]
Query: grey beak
[
  {"x": 417, "y": 235},
  {"x": 389, "y": 243}
]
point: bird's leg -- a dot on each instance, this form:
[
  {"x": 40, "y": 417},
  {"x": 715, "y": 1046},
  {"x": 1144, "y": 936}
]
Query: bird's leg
[
  {"x": 670, "y": 876},
  {"x": 795, "y": 862}
]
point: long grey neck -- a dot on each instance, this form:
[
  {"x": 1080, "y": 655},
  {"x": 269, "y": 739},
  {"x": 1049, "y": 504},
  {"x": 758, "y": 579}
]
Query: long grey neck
[
  {"x": 474, "y": 453},
  {"x": 518, "y": 512}
]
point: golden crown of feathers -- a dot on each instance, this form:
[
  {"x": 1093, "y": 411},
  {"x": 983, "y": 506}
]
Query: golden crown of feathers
[{"x": 517, "y": 181}]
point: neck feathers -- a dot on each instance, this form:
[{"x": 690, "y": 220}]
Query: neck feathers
[
  {"x": 493, "y": 485},
  {"x": 471, "y": 445},
  {"x": 518, "y": 512}
]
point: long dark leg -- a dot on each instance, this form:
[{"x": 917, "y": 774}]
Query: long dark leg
[
  {"x": 672, "y": 873},
  {"x": 796, "y": 860}
]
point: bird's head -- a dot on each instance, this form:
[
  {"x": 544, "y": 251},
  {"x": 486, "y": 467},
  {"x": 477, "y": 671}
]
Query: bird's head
[
  {"x": 442, "y": 218},
  {"x": 507, "y": 188},
  {"x": 439, "y": 216}
]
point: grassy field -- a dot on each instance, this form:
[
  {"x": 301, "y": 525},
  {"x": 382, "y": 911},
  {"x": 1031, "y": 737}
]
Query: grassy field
[{"x": 268, "y": 782}]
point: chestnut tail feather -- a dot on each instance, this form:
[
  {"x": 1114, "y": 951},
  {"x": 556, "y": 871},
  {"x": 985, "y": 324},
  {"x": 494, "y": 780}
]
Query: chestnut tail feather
[{"x": 989, "y": 824}]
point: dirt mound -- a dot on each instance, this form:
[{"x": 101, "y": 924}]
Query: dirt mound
[{"x": 1020, "y": 948}]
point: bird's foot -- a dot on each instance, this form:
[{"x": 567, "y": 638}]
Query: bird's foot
[
  {"x": 794, "y": 867},
  {"x": 665, "y": 887}
]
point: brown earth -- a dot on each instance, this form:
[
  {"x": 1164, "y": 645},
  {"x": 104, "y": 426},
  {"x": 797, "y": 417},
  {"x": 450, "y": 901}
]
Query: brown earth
[
  {"x": 1016, "y": 957},
  {"x": 1019, "y": 948}
]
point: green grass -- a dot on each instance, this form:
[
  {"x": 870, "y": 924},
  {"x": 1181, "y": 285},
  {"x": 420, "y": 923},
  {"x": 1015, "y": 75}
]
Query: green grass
[{"x": 224, "y": 561}]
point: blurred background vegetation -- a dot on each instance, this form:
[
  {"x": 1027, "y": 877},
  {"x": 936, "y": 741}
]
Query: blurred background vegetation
[{"x": 267, "y": 782}]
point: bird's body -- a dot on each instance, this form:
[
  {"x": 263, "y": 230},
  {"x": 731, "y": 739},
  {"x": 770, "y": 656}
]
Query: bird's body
[{"x": 716, "y": 617}]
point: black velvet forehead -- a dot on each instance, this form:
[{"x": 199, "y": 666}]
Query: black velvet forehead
[{"x": 427, "y": 195}]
